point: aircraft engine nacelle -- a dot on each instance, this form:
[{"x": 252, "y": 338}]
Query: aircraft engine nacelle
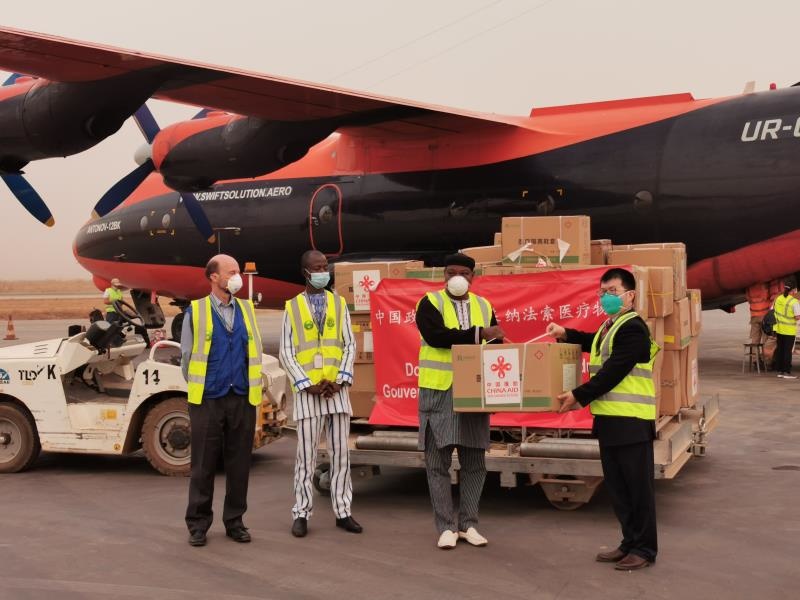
[
  {"x": 192, "y": 155},
  {"x": 43, "y": 119}
]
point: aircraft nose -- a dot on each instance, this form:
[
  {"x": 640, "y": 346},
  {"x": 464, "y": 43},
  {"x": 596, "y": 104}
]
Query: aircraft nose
[{"x": 143, "y": 152}]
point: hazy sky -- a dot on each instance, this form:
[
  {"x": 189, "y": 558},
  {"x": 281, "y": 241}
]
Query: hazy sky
[{"x": 502, "y": 56}]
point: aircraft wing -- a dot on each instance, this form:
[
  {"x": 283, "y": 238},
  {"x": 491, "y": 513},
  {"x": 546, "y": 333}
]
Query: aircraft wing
[{"x": 232, "y": 90}]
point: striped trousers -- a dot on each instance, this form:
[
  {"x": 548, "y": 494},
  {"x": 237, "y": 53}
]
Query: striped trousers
[
  {"x": 308, "y": 432},
  {"x": 471, "y": 478}
]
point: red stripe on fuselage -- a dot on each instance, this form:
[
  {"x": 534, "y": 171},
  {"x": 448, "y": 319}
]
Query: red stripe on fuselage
[{"x": 183, "y": 282}]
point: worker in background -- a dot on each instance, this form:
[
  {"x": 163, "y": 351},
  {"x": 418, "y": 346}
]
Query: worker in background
[
  {"x": 111, "y": 295},
  {"x": 317, "y": 351},
  {"x": 758, "y": 300},
  {"x": 622, "y": 397},
  {"x": 775, "y": 290},
  {"x": 221, "y": 361},
  {"x": 787, "y": 314},
  {"x": 450, "y": 316}
]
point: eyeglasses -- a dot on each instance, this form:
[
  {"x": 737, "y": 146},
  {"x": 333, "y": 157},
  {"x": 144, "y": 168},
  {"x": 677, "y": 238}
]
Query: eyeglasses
[{"x": 613, "y": 291}]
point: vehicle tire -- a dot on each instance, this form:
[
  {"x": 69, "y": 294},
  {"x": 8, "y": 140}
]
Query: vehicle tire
[
  {"x": 166, "y": 437},
  {"x": 19, "y": 440},
  {"x": 321, "y": 480},
  {"x": 177, "y": 325}
]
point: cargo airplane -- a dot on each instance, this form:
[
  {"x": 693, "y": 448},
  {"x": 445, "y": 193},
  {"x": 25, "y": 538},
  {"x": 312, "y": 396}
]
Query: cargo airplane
[{"x": 276, "y": 166}]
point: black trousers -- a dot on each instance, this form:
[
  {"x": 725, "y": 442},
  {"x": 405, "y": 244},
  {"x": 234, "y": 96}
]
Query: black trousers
[
  {"x": 629, "y": 479},
  {"x": 784, "y": 345},
  {"x": 223, "y": 426}
]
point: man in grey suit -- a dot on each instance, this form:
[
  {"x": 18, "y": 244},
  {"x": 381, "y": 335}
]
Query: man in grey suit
[{"x": 450, "y": 316}]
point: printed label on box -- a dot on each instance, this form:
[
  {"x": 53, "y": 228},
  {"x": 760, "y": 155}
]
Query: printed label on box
[
  {"x": 367, "y": 342},
  {"x": 364, "y": 282},
  {"x": 570, "y": 377},
  {"x": 501, "y": 380}
]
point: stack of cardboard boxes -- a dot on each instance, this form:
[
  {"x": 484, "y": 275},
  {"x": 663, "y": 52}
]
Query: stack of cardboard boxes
[
  {"x": 531, "y": 244},
  {"x": 536, "y": 244},
  {"x": 354, "y": 282}
]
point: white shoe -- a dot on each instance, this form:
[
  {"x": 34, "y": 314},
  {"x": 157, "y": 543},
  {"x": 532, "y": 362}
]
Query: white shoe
[
  {"x": 780, "y": 375},
  {"x": 447, "y": 540},
  {"x": 788, "y": 376},
  {"x": 473, "y": 537}
]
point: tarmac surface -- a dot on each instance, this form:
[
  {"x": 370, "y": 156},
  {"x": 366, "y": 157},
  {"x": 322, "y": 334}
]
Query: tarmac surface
[{"x": 87, "y": 527}]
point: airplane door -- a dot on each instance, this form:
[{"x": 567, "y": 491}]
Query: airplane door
[{"x": 325, "y": 220}]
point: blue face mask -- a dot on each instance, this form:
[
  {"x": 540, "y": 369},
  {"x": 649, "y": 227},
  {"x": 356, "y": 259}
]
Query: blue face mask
[
  {"x": 611, "y": 304},
  {"x": 319, "y": 280}
]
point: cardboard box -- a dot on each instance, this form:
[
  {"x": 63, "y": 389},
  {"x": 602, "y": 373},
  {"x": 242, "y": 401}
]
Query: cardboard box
[
  {"x": 672, "y": 389},
  {"x": 690, "y": 374},
  {"x": 656, "y": 327},
  {"x": 599, "y": 252},
  {"x": 695, "y": 311},
  {"x": 431, "y": 273},
  {"x": 677, "y": 326},
  {"x": 513, "y": 377},
  {"x": 362, "y": 331},
  {"x": 655, "y": 255},
  {"x": 484, "y": 254},
  {"x": 660, "y": 295},
  {"x": 362, "y": 403},
  {"x": 543, "y": 233},
  {"x": 498, "y": 238},
  {"x": 354, "y": 281},
  {"x": 526, "y": 268},
  {"x": 363, "y": 378}
]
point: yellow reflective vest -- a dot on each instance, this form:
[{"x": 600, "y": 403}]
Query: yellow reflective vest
[
  {"x": 202, "y": 329},
  {"x": 436, "y": 364},
  {"x": 115, "y": 296},
  {"x": 318, "y": 353},
  {"x": 634, "y": 396},
  {"x": 785, "y": 323}
]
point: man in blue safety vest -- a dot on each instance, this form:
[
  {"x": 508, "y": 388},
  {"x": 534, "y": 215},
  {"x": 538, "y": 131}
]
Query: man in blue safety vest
[{"x": 621, "y": 395}]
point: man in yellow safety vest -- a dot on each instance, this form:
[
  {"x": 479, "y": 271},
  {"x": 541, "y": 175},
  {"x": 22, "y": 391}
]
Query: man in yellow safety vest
[
  {"x": 622, "y": 397},
  {"x": 787, "y": 314},
  {"x": 112, "y": 294},
  {"x": 221, "y": 361},
  {"x": 450, "y": 316},
  {"x": 318, "y": 350}
]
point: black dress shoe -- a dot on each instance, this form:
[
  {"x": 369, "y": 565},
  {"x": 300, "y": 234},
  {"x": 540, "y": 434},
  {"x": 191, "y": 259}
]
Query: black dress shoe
[
  {"x": 197, "y": 538},
  {"x": 238, "y": 534},
  {"x": 349, "y": 524},
  {"x": 300, "y": 527}
]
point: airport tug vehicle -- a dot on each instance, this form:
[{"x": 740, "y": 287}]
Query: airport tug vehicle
[{"x": 103, "y": 391}]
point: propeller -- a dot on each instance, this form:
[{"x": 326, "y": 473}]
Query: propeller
[
  {"x": 125, "y": 186},
  {"x": 22, "y": 190}
]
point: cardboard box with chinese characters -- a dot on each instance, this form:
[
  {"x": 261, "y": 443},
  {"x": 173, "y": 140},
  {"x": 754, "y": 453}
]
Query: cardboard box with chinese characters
[
  {"x": 513, "y": 377},
  {"x": 362, "y": 331},
  {"x": 655, "y": 255},
  {"x": 354, "y": 281},
  {"x": 542, "y": 234},
  {"x": 677, "y": 326},
  {"x": 430, "y": 273}
]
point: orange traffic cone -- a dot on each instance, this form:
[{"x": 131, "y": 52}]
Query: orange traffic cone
[{"x": 10, "y": 333}]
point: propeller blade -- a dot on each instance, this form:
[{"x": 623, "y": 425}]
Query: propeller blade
[
  {"x": 122, "y": 189},
  {"x": 28, "y": 197},
  {"x": 146, "y": 122},
  {"x": 199, "y": 217},
  {"x": 12, "y": 79}
]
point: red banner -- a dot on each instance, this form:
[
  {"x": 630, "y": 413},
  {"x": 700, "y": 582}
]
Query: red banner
[{"x": 524, "y": 305}]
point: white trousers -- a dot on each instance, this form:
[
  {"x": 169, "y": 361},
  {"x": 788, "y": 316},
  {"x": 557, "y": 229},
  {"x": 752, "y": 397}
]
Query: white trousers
[{"x": 308, "y": 432}]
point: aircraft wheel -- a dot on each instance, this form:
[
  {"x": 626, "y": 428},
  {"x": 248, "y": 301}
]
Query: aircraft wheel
[
  {"x": 177, "y": 325},
  {"x": 166, "y": 437},
  {"x": 19, "y": 440}
]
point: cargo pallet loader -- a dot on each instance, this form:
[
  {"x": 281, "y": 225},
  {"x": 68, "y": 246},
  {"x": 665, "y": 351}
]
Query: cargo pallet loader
[{"x": 565, "y": 463}]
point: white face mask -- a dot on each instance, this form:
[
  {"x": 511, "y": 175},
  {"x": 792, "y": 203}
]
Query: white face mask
[
  {"x": 457, "y": 285},
  {"x": 235, "y": 283}
]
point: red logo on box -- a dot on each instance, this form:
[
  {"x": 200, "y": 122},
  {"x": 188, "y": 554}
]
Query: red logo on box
[
  {"x": 367, "y": 284},
  {"x": 501, "y": 366}
]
